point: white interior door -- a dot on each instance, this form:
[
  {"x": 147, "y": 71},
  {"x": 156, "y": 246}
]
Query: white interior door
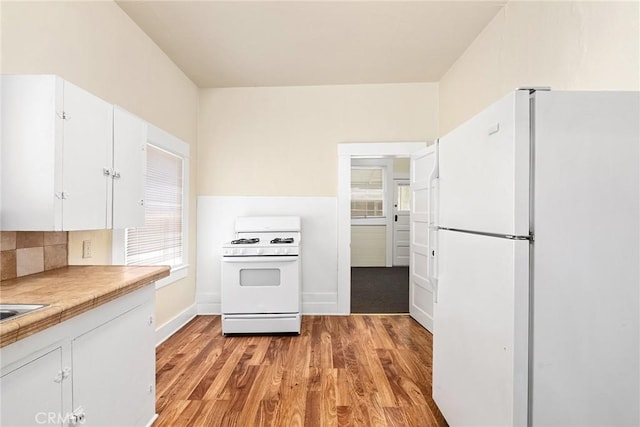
[
  {"x": 401, "y": 224},
  {"x": 423, "y": 164}
]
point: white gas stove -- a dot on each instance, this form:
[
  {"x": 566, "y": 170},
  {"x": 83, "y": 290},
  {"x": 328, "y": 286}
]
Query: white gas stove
[{"x": 261, "y": 286}]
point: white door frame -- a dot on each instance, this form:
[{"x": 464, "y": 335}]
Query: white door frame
[{"x": 346, "y": 152}]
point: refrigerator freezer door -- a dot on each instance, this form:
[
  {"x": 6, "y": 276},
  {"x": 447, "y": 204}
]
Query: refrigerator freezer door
[
  {"x": 586, "y": 297},
  {"x": 484, "y": 170},
  {"x": 480, "y": 339}
]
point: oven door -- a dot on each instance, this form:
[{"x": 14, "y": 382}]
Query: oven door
[{"x": 262, "y": 284}]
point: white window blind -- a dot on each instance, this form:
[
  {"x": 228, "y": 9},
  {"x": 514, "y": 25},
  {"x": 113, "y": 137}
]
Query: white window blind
[
  {"x": 367, "y": 192},
  {"x": 160, "y": 241}
]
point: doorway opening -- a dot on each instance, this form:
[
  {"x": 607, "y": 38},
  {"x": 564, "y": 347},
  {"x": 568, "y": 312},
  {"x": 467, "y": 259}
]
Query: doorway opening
[
  {"x": 378, "y": 290},
  {"x": 380, "y": 231},
  {"x": 346, "y": 153}
]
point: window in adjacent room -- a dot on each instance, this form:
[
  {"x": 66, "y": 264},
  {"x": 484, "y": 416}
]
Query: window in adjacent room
[{"x": 367, "y": 192}]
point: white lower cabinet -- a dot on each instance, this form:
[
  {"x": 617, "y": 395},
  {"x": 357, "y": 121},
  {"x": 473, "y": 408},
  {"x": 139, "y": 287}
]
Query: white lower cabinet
[
  {"x": 32, "y": 392},
  {"x": 97, "y": 369},
  {"x": 116, "y": 356}
]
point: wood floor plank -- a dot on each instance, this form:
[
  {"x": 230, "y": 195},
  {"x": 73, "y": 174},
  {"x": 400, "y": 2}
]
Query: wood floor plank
[
  {"x": 343, "y": 391},
  {"x": 188, "y": 378},
  {"x": 395, "y": 417},
  {"x": 340, "y": 371},
  {"x": 224, "y": 372},
  {"x": 212, "y": 413},
  {"x": 344, "y": 416},
  {"x": 329, "y": 412},
  {"x": 265, "y": 417},
  {"x": 171, "y": 413}
]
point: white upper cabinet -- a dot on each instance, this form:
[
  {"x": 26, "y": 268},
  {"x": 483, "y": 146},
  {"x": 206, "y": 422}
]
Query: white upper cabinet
[
  {"x": 86, "y": 159},
  {"x": 58, "y": 165},
  {"x": 129, "y": 165}
]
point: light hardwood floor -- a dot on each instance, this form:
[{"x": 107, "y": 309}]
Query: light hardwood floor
[{"x": 340, "y": 371}]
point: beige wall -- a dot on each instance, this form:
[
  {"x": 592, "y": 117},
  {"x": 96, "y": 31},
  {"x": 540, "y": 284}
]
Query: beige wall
[
  {"x": 401, "y": 165},
  {"x": 368, "y": 245},
  {"x": 245, "y": 134},
  {"x": 96, "y": 46},
  {"x": 581, "y": 45}
]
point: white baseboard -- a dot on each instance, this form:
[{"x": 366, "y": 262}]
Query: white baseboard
[
  {"x": 320, "y": 308},
  {"x": 153, "y": 420},
  {"x": 209, "y": 308},
  {"x": 319, "y": 303},
  {"x": 208, "y": 302},
  {"x": 174, "y": 325}
]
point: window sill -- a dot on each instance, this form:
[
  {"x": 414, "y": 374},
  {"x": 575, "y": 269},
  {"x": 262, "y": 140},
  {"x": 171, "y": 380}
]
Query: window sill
[
  {"x": 177, "y": 273},
  {"x": 369, "y": 221}
]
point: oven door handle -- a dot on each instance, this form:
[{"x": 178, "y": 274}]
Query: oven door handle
[{"x": 271, "y": 258}]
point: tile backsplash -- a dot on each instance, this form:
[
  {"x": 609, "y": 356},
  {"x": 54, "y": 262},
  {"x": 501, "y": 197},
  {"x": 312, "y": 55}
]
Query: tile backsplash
[{"x": 29, "y": 252}]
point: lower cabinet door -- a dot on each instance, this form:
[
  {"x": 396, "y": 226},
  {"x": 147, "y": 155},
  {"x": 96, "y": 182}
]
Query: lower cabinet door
[
  {"x": 114, "y": 371},
  {"x": 31, "y": 394}
]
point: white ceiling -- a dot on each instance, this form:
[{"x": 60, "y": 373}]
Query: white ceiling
[{"x": 290, "y": 43}]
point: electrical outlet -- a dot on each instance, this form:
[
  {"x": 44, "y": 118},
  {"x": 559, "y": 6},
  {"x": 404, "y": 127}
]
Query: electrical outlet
[{"x": 86, "y": 249}]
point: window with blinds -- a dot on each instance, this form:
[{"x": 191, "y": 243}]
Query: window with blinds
[
  {"x": 367, "y": 192},
  {"x": 160, "y": 241}
]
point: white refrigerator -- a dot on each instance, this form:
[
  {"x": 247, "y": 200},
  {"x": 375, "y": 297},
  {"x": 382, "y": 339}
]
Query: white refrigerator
[{"x": 537, "y": 277}]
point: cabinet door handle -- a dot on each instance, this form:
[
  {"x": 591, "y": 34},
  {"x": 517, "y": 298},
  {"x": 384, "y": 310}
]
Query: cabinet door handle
[
  {"x": 116, "y": 174},
  {"x": 62, "y": 374},
  {"x": 106, "y": 171},
  {"x": 77, "y": 417}
]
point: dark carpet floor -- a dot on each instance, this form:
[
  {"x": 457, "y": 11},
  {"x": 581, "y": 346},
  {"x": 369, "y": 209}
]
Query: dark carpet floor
[{"x": 379, "y": 289}]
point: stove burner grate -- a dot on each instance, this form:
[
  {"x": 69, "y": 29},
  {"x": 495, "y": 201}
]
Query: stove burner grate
[
  {"x": 282, "y": 240},
  {"x": 245, "y": 241}
]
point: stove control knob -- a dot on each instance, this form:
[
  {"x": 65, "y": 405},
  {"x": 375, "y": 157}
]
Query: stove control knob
[
  {"x": 286, "y": 251},
  {"x": 259, "y": 251},
  {"x": 278, "y": 251},
  {"x": 240, "y": 251}
]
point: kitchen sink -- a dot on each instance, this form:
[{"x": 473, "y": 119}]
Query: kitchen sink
[{"x": 9, "y": 311}]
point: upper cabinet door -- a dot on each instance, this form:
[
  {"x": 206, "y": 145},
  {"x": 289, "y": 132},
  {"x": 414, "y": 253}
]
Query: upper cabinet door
[
  {"x": 87, "y": 159},
  {"x": 129, "y": 164},
  {"x": 484, "y": 170},
  {"x": 31, "y": 145}
]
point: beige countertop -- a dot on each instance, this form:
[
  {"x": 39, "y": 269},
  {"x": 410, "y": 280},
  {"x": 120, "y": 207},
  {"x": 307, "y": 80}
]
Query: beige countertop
[{"x": 68, "y": 292}]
